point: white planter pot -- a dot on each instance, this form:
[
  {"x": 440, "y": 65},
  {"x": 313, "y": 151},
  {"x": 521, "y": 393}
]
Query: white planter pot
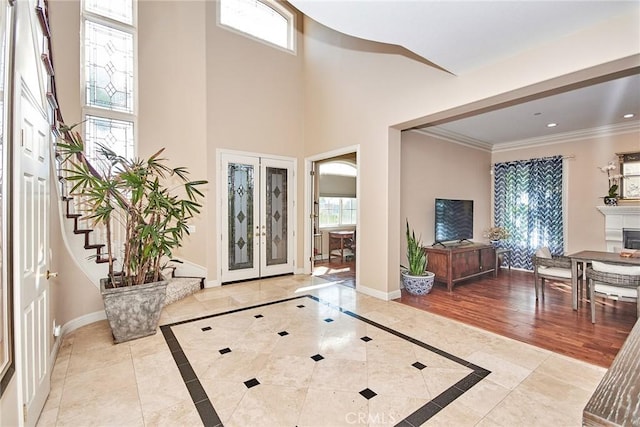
[{"x": 418, "y": 285}]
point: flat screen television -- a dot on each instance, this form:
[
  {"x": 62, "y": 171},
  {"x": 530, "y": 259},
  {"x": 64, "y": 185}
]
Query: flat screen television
[{"x": 454, "y": 220}]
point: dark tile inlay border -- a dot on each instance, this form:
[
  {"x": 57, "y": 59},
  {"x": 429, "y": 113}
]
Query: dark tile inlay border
[
  {"x": 206, "y": 328},
  {"x": 317, "y": 357},
  {"x": 209, "y": 416},
  {"x": 252, "y": 383},
  {"x": 367, "y": 393},
  {"x": 419, "y": 365}
]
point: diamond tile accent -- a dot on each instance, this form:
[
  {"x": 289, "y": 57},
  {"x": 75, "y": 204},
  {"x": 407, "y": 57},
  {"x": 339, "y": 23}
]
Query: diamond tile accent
[
  {"x": 206, "y": 328},
  {"x": 283, "y": 333},
  {"x": 251, "y": 383},
  {"x": 367, "y": 393},
  {"x": 418, "y": 365},
  {"x": 317, "y": 357},
  {"x": 300, "y": 306},
  {"x": 258, "y": 316},
  {"x": 366, "y": 338},
  {"x": 328, "y": 320},
  {"x": 225, "y": 350}
]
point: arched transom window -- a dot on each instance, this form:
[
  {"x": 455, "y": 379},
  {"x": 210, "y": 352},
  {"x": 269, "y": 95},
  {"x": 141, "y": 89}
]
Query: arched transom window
[{"x": 265, "y": 20}]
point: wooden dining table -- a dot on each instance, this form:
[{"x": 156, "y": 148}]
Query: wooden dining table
[{"x": 585, "y": 257}]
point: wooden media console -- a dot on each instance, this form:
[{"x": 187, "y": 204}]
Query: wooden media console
[{"x": 453, "y": 264}]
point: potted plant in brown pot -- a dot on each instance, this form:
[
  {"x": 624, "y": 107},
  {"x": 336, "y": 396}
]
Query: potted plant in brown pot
[
  {"x": 153, "y": 203},
  {"x": 415, "y": 277}
]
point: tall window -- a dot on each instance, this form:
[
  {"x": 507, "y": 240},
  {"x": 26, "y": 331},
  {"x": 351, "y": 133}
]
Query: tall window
[
  {"x": 109, "y": 76},
  {"x": 263, "y": 19},
  {"x": 528, "y": 203}
]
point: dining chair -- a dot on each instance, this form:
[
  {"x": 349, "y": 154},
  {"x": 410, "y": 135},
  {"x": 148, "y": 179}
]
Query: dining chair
[
  {"x": 552, "y": 267},
  {"x": 616, "y": 282}
]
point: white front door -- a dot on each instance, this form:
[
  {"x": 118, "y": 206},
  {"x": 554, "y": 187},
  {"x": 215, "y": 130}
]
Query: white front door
[
  {"x": 31, "y": 240},
  {"x": 257, "y": 211}
]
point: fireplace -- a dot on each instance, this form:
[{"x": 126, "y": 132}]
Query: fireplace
[
  {"x": 631, "y": 238},
  {"x": 619, "y": 219}
]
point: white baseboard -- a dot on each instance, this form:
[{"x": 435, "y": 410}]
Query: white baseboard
[
  {"x": 386, "y": 296},
  {"x": 212, "y": 284},
  {"x": 81, "y": 321}
]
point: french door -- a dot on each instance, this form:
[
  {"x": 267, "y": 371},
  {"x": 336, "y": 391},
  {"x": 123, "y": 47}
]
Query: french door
[{"x": 257, "y": 217}]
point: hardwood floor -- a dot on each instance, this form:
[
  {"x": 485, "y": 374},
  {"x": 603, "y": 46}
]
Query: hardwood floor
[
  {"x": 506, "y": 305},
  {"x": 345, "y": 272}
]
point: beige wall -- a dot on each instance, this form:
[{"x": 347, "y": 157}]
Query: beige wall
[
  {"x": 172, "y": 108},
  {"x": 586, "y": 184},
  {"x": 254, "y": 104},
  {"x": 357, "y": 93},
  {"x": 205, "y": 89},
  {"x": 432, "y": 168}
]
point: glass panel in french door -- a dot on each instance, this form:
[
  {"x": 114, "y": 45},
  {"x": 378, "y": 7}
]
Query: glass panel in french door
[
  {"x": 276, "y": 215},
  {"x": 240, "y": 219}
]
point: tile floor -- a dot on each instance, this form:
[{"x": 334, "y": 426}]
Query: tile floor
[{"x": 301, "y": 351}]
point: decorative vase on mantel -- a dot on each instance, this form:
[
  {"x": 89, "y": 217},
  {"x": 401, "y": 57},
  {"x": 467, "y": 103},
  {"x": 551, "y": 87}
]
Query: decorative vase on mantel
[{"x": 610, "y": 201}]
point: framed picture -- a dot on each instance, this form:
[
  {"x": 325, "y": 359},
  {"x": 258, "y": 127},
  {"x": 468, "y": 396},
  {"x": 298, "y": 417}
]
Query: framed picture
[{"x": 7, "y": 365}]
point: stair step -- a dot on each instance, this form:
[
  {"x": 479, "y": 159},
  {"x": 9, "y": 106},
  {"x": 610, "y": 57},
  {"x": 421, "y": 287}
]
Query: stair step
[
  {"x": 83, "y": 231},
  {"x": 102, "y": 260},
  {"x": 95, "y": 246},
  {"x": 74, "y": 215}
]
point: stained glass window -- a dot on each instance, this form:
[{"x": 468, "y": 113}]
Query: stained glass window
[
  {"x": 108, "y": 67},
  {"x": 120, "y": 10},
  {"x": 114, "y": 134}
]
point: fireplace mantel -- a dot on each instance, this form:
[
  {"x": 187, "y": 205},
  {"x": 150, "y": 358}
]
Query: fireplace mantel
[
  {"x": 618, "y": 218},
  {"x": 620, "y": 210}
]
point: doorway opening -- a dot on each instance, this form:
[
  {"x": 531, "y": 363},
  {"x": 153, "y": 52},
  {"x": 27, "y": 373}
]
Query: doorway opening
[{"x": 335, "y": 218}]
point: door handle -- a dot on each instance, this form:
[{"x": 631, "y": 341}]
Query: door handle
[{"x": 50, "y": 274}]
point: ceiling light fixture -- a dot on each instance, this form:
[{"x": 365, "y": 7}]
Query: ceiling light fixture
[
  {"x": 628, "y": 116},
  {"x": 552, "y": 125}
]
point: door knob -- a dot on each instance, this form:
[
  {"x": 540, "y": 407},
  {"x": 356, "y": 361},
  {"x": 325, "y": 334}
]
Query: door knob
[{"x": 50, "y": 274}]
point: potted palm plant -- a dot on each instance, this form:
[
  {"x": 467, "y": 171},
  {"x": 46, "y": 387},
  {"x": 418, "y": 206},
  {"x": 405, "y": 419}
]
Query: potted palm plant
[
  {"x": 153, "y": 203},
  {"x": 415, "y": 277}
]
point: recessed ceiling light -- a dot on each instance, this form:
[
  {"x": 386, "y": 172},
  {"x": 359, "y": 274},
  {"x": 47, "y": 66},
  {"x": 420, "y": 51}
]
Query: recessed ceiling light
[
  {"x": 552, "y": 125},
  {"x": 628, "y": 116}
]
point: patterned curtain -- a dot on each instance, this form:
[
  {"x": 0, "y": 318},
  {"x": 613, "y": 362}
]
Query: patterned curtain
[{"x": 528, "y": 203}]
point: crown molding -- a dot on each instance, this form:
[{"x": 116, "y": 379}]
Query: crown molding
[
  {"x": 559, "y": 138},
  {"x": 456, "y": 138}
]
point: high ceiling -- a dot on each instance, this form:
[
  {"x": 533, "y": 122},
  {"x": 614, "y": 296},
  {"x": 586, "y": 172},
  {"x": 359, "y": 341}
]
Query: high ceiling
[{"x": 460, "y": 36}]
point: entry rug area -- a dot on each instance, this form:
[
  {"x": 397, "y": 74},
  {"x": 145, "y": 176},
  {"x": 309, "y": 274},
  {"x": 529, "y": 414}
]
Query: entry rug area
[{"x": 305, "y": 362}]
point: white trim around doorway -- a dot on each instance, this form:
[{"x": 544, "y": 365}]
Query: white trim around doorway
[{"x": 308, "y": 238}]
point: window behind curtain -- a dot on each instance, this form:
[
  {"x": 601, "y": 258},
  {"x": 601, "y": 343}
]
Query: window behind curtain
[{"x": 528, "y": 203}]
